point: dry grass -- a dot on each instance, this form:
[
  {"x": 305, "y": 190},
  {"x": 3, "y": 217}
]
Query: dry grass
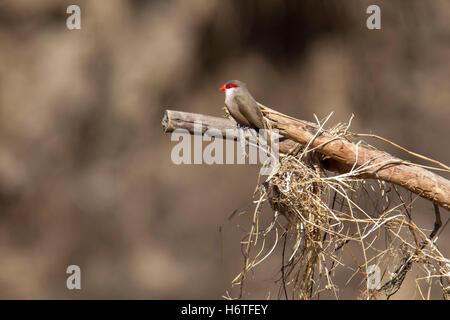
[{"x": 326, "y": 223}]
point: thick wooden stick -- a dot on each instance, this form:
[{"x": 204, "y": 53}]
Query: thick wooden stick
[
  {"x": 342, "y": 155},
  {"x": 173, "y": 120},
  {"x": 375, "y": 164}
]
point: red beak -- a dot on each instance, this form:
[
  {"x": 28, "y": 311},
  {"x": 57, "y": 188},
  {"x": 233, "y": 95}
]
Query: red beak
[{"x": 222, "y": 88}]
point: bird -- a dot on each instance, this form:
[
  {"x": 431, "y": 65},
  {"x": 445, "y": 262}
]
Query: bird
[{"x": 241, "y": 105}]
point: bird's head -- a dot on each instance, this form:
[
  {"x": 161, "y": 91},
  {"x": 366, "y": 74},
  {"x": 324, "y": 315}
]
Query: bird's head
[{"x": 232, "y": 85}]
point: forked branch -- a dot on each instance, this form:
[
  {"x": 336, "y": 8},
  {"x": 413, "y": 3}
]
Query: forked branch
[{"x": 340, "y": 155}]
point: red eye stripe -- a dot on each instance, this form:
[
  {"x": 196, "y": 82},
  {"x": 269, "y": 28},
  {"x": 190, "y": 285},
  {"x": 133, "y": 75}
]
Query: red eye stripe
[{"x": 228, "y": 86}]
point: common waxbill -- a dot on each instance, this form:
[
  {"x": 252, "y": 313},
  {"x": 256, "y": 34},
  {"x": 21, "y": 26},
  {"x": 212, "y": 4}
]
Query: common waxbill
[{"x": 241, "y": 105}]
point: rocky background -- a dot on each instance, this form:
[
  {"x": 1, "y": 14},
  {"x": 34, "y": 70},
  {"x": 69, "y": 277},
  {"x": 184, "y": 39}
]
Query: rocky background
[{"x": 85, "y": 171}]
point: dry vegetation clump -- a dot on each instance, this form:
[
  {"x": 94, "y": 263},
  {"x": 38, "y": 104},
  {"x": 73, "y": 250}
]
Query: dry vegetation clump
[{"x": 328, "y": 225}]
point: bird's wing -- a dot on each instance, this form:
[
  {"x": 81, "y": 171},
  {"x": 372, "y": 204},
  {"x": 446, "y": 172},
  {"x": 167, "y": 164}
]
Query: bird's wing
[{"x": 251, "y": 111}]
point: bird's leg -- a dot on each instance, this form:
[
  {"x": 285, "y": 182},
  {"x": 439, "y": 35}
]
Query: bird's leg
[
  {"x": 227, "y": 114},
  {"x": 240, "y": 128},
  {"x": 437, "y": 223}
]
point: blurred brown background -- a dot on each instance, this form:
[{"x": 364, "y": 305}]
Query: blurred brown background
[{"x": 85, "y": 170}]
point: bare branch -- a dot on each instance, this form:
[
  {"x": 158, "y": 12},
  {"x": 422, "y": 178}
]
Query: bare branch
[{"x": 340, "y": 155}]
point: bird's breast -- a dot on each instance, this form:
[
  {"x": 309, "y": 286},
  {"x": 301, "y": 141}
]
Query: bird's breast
[{"x": 233, "y": 108}]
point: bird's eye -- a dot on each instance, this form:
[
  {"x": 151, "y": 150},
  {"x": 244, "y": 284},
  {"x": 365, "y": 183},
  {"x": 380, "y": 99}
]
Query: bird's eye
[{"x": 228, "y": 86}]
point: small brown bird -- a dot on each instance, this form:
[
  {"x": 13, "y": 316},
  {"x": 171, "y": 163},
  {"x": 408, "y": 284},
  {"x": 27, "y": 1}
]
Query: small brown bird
[{"x": 242, "y": 106}]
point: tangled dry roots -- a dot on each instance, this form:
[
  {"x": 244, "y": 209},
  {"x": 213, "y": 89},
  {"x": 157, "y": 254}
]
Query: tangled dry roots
[{"x": 339, "y": 222}]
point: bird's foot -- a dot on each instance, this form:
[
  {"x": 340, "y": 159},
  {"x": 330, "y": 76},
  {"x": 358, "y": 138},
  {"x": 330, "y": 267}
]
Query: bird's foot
[{"x": 242, "y": 127}]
